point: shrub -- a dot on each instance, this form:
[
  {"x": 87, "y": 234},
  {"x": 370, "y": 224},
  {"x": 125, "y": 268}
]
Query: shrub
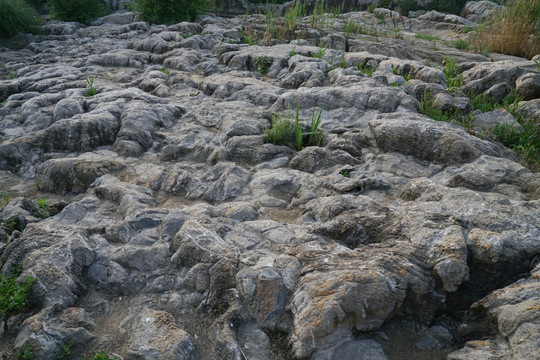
[
  {"x": 513, "y": 30},
  {"x": 170, "y": 11},
  {"x": 16, "y": 16},
  {"x": 83, "y": 11}
]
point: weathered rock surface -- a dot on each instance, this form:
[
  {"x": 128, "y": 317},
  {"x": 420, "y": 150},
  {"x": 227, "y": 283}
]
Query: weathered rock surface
[{"x": 177, "y": 231}]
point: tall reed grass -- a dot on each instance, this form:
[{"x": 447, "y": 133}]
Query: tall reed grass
[
  {"x": 16, "y": 16},
  {"x": 513, "y": 30}
]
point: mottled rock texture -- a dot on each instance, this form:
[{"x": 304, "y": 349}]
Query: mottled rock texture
[{"x": 178, "y": 232}]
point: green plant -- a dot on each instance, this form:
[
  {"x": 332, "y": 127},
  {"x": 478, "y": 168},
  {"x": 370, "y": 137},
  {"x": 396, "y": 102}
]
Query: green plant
[
  {"x": 16, "y": 16},
  {"x": 12, "y": 75},
  {"x": 371, "y": 8},
  {"x": 513, "y": 30},
  {"x": 293, "y": 52},
  {"x": 321, "y": 51},
  {"x": 407, "y": 77},
  {"x": 281, "y": 130},
  {"x": 343, "y": 62},
  {"x": 170, "y": 11},
  {"x": 365, "y": 69},
  {"x": 165, "y": 71},
  {"x": 43, "y": 208},
  {"x": 83, "y": 11},
  {"x": 427, "y": 37},
  {"x": 263, "y": 64},
  {"x": 10, "y": 225},
  {"x": 37, "y": 185},
  {"x": 101, "y": 355},
  {"x": 5, "y": 196},
  {"x": 344, "y": 173},
  {"x": 66, "y": 350},
  {"x": 454, "y": 77},
  {"x": 293, "y": 14},
  {"x": 461, "y": 44},
  {"x": 397, "y": 33},
  {"x": 91, "y": 91},
  {"x": 314, "y": 129},
  {"x": 351, "y": 27},
  {"x": 467, "y": 29},
  {"x": 13, "y": 294},
  {"x": 428, "y": 107},
  {"x": 395, "y": 84},
  {"x": 26, "y": 353},
  {"x": 537, "y": 63}
]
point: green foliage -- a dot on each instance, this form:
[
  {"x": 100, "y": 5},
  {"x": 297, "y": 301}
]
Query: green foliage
[
  {"x": 12, "y": 75},
  {"x": 427, "y": 37},
  {"x": 526, "y": 143},
  {"x": 452, "y": 72},
  {"x": 461, "y": 44},
  {"x": 365, "y": 69},
  {"x": 281, "y": 130},
  {"x": 91, "y": 91},
  {"x": 345, "y": 173},
  {"x": 10, "y": 225},
  {"x": 321, "y": 51},
  {"x": 101, "y": 355},
  {"x": 407, "y": 77},
  {"x": 537, "y": 63},
  {"x": 13, "y": 294},
  {"x": 83, "y": 11},
  {"x": 66, "y": 350},
  {"x": 293, "y": 52},
  {"x": 43, "y": 208},
  {"x": 428, "y": 107},
  {"x": 371, "y": 8},
  {"x": 351, "y": 27},
  {"x": 263, "y": 64},
  {"x": 26, "y": 353},
  {"x": 5, "y": 197},
  {"x": 171, "y": 11},
  {"x": 293, "y": 14},
  {"x": 17, "y": 16},
  {"x": 165, "y": 71},
  {"x": 314, "y": 129}
]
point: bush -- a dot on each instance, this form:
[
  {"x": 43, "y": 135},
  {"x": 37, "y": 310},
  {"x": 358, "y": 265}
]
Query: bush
[
  {"x": 16, "y": 16},
  {"x": 83, "y": 11},
  {"x": 513, "y": 30},
  {"x": 170, "y": 11}
]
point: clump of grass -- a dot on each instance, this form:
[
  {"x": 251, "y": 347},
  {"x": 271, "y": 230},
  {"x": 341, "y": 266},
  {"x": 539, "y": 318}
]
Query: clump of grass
[
  {"x": 12, "y": 75},
  {"x": 13, "y": 294},
  {"x": 293, "y": 14},
  {"x": 351, "y": 27},
  {"x": 91, "y": 91},
  {"x": 101, "y": 355},
  {"x": 17, "y": 16},
  {"x": 427, "y": 37},
  {"x": 321, "y": 51},
  {"x": 461, "y": 44},
  {"x": 43, "y": 208},
  {"x": 284, "y": 127},
  {"x": 452, "y": 72},
  {"x": 281, "y": 130},
  {"x": 263, "y": 64},
  {"x": 366, "y": 69},
  {"x": 165, "y": 71},
  {"x": 371, "y": 8},
  {"x": 513, "y": 30}
]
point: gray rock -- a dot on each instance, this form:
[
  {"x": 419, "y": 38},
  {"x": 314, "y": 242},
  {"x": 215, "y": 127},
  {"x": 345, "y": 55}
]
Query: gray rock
[
  {"x": 491, "y": 119},
  {"x": 155, "y": 335},
  {"x": 528, "y": 86}
]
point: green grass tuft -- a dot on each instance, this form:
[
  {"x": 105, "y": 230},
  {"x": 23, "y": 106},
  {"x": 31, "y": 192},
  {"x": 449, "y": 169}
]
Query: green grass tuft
[{"x": 83, "y": 11}]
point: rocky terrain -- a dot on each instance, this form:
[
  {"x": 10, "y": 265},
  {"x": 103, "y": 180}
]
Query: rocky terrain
[{"x": 178, "y": 232}]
